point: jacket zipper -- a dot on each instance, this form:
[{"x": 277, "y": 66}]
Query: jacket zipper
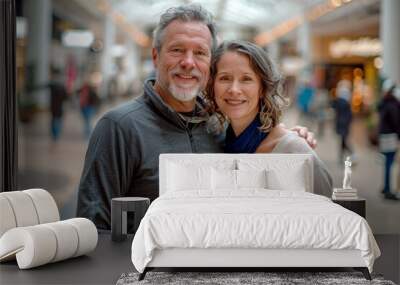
[{"x": 192, "y": 144}]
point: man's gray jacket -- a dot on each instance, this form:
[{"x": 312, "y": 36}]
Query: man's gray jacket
[{"x": 122, "y": 156}]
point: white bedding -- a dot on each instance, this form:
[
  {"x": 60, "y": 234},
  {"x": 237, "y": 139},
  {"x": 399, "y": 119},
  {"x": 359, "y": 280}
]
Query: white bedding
[{"x": 252, "y": 218}]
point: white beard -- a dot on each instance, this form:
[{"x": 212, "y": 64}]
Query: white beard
[{"x": 184, "y": 95}]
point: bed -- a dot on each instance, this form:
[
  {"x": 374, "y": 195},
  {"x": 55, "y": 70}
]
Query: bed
[{"x": 246, "y": 211}]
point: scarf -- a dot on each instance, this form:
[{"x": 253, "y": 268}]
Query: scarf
[{"x": 247, "y": 141}]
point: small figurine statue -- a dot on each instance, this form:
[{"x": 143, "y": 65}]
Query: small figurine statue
[{"x": 347, "y": 174}]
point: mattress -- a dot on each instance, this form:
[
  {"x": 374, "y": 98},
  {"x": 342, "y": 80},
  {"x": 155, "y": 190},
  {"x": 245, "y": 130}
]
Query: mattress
[{"x": 250, "y": 218}]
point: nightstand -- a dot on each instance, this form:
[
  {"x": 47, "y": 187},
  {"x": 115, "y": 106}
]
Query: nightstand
[
  {"x": 357, "y": 205},
  {"x": 119, "y": 208}
]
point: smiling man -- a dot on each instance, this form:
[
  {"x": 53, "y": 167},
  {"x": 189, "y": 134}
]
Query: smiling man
[
  {"x": 122, "y": 156},
  {"x": 183, "y": 63}
]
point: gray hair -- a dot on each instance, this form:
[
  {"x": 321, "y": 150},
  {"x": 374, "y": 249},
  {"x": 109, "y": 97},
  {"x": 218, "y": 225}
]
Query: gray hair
[
  {"x": 272, "y": 98},
  {"x": 184, "y": 13}
]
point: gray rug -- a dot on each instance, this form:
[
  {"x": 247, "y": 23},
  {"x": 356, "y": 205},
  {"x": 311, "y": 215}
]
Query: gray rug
[{"x": 269, "y": 278}]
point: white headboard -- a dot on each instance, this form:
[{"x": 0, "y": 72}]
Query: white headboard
[{"x": 232, "y": 160}]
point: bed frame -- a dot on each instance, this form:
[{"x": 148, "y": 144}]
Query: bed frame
[{"x": 248, "y": 259}]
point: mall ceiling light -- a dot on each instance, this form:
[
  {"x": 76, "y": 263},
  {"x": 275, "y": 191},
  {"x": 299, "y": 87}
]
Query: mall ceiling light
[
  {"x": 312, "y": 14},
  {"x": 123, "y": 23},
  {"x": 336, "y": 3}
]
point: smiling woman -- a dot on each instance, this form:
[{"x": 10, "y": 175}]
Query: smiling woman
[
  {"x": 238, "y": 88},
  {"x": 245, "y": 88}
]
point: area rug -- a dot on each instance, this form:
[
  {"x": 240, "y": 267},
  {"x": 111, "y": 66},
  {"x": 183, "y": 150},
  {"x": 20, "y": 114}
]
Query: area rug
[{"x": 268, "y": 278}]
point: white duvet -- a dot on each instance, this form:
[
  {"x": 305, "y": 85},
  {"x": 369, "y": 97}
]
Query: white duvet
[{"x": 252, "y": 218}]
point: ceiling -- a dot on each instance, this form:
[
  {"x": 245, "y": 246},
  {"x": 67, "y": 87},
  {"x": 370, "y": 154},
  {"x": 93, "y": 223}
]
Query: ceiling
[
  {"x": 229, "y": 13},
  {"x": 238, "y": 18},
  {"x": 233, "y": 17}
]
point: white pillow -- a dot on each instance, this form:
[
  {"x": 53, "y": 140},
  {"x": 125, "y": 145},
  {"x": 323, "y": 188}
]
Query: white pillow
[
  {"x": 293, "y": 180},
  {"x": 223, "y": 179},
  {"x": 281, "y": 174},
  {"x": 251, "y": 178},
  {"x": 188, "y": 177},
  {"x": 227, "y": 179}
]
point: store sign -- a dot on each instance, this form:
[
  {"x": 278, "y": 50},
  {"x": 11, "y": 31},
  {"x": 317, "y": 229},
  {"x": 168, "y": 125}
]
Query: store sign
[
  {"x": 118, "y": 50},
  {"x": 292, "y": 65},
  {"x": 365, "y": 47},
  {"x": 77, "y": 38}
]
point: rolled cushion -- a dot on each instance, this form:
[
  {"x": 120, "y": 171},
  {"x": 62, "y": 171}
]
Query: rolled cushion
[
  {"x": 87, "y": 234},
  {"x": 26, "y": 208},
  {"x": 33, "y": 246},
  {"x": 40, "y": 244},
  {"x": 46, "y": 207},
  {"x": 23, "y": 208},
  {"x": 7, "y": 218},
  {"x": 66, "y": 238}
]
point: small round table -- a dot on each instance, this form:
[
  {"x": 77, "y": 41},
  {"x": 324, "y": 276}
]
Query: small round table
[{"x": 119, "y": 208}]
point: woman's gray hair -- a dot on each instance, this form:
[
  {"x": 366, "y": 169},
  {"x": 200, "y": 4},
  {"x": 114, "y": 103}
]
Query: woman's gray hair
[
  {"x": 184, "y": 13},
  {"x": 272, "y": 98}
]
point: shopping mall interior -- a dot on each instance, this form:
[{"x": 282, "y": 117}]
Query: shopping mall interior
[{"x": 320, "y": 46}]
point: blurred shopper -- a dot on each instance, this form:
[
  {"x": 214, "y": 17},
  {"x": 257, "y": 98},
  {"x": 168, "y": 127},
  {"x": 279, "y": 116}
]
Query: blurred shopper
[
  {"x": 58, "y": 95},
  {"x": 397, "y": 95},
  {"x": 305, "y": 98},
  {"x": 71, "y": 74},
  {"x": 88, "y": 102},
  {"x": 320, "y": 110},
  {"x": 343, "y": 116},
  {"x": 389, "y": 132}
]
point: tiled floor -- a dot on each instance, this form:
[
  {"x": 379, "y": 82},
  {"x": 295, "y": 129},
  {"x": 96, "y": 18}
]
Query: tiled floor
[
  {"x": 57, "y": 167},
  {"x": 111, "y": 259}
]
